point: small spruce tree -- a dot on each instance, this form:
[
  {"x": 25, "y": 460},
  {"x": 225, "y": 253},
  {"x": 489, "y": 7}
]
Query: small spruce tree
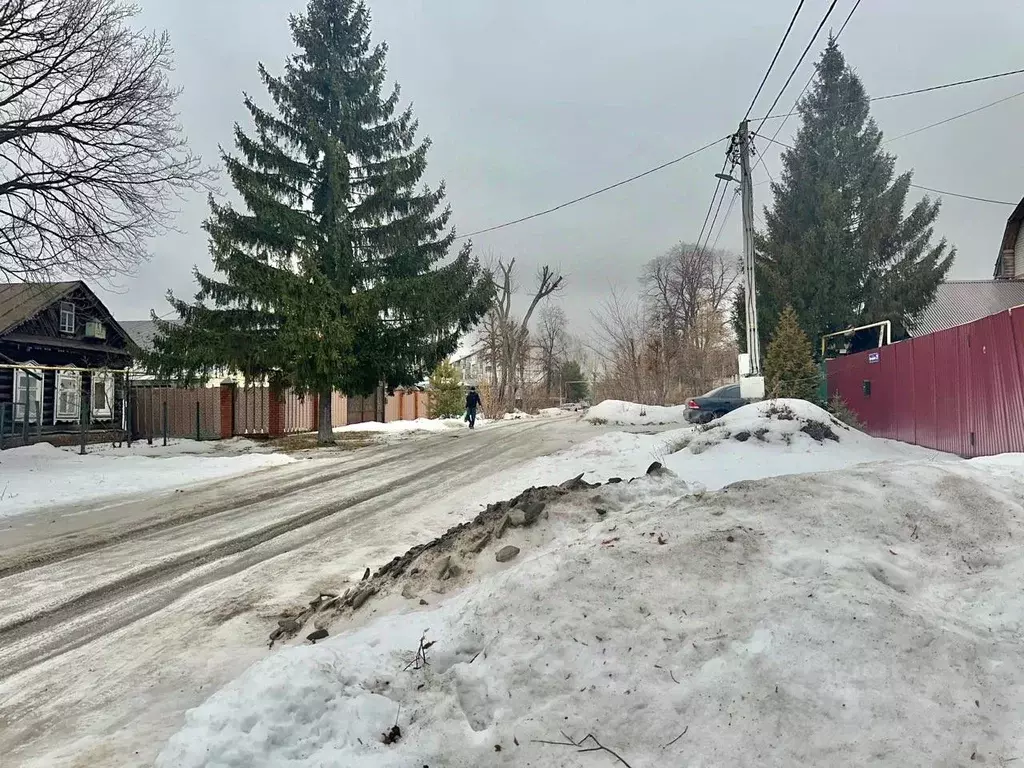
[
  {"x": 789, "y": 368},
  {"x": 446, "y": 397}
]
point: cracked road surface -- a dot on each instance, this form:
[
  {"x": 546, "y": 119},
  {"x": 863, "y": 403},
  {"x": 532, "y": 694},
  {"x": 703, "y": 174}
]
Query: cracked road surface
[{"x": 116, "y": 618}]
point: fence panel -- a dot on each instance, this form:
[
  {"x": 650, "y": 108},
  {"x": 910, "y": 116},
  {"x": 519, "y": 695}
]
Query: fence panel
[
  {"x": 959, "y": 390},
  {"x": 925, "y": 421},
  {"x": 252, "y": 410},
  {"x": 339, "y": 409},
  {"x": 393, "y": 406},
  {"x": 180, "y": 412},
  {"x": 902, "y": 395},
  {"x": 299, "y": 412}
]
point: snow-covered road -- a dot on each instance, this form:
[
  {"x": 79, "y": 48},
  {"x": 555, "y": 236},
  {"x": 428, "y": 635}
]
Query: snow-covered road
[{"x": 117, "y": 618}]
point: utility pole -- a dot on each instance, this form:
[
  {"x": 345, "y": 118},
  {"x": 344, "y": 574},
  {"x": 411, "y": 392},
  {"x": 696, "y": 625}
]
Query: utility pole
[{"x": 747, "y": 191}]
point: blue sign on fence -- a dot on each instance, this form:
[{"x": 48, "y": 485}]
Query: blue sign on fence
[{"x": 874, "y": 357}]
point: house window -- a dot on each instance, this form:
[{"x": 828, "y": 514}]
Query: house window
[
  {"x": 102, "y": 394},
  {"x": 68, "y": 405},
  {"x": 67, "y": 317},
  {"x": 28, "y": 389}
]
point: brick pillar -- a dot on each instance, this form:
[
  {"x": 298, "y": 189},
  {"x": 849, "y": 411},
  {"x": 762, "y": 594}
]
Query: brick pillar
[
  {"x": 316, "y": 411},
  {"x": 227, "y": 410},
  {"x": 275, "y": 412}
]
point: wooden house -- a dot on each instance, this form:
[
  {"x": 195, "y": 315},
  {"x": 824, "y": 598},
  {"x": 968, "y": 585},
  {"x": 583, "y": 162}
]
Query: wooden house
[{"x": 63, "y": 363}]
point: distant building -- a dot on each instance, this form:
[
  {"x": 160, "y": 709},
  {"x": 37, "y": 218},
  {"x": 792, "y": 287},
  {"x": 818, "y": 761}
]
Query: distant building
[
  {"x": 958, "y": 302},
  {"x": 474, "y": 363},
  {"x": 63, "y": 361},
  {"x": 142, "y": 333}
]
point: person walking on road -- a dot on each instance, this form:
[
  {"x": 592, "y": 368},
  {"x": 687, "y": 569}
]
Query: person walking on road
[{"x": 472, "y": 403}]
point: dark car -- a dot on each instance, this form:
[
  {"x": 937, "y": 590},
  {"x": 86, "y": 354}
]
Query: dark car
[{"x": 716, "y": 403}]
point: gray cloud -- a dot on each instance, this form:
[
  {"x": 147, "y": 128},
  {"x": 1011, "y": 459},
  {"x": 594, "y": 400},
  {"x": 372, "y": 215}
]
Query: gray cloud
[{"x": 532, "y": 103}]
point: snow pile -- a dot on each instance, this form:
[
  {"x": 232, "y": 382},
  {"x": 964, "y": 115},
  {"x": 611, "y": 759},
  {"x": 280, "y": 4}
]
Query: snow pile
[
  {"x": 550, "y": 413},
  {"x": 611, "y": 455},
  {"x": 621, "y": 413},
  {"x": 756, "y": 441},
  {"x": 865, "y": 617},
  {"x": 777, "y": 437},
  {"x": 44, "y": 476}
]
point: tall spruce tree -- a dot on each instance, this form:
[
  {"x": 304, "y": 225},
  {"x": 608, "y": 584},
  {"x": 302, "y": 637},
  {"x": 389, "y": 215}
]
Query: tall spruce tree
[
  {"x": 333, "y": 274},
  {"x": 837, "y": 246}
]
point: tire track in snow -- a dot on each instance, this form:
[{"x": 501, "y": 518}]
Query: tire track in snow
[
  {"x": 159, "y": 585},
  {"x": 48, "y": 553}
]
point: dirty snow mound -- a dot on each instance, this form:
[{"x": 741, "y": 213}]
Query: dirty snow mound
[
  {"x": 611, "y": 455},
  {"x": 779, "y": 437},
  {"x": 779, "y": 422},
  {"x": 866, "y": 617},
  {"x": 621, "y": 413}
]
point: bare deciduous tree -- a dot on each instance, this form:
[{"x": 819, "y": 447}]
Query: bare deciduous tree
[
  {"x": 91, "y": 152},
  {"x": 506, "y": 337},
  {"x": 551, "y": 343},
  {"x": 674, "y": 341},
  {"x": 687, "y": 293},
  {"x": 624, "y": 346}
]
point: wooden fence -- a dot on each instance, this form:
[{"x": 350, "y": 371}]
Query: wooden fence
[
  {"x": 210, "y": 413},
  {"x": 159, "y": 411}
]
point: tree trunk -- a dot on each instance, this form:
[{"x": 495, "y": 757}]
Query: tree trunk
[{"x": 325, "y": 430}]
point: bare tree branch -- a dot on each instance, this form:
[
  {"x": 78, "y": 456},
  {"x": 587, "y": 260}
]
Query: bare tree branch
[
  {"x": 674, "y": 341},
  {"x": 91, "y": 152},
  {"x": 552, "y": 343},
  {"x": 506, "y": 336}
]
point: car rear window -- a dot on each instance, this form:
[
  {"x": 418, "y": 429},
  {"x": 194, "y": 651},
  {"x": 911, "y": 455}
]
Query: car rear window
[{"x": 728, "y": 391}]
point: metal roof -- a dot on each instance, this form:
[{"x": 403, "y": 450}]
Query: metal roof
[
  {"x": 22, "y": 301},
  {"x": 141, "y": 332},
  {"x": 963, "y": 301}
]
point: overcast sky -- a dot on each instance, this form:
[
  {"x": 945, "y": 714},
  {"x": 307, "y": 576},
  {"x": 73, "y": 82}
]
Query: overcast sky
[{"x": 536, "y": 102}]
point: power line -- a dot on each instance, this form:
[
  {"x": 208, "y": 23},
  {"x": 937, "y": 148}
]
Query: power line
[
  {"x": 954, "y": 117},
  {"x": 760, "y": 159},
  {"x": 848, "y": 17},
  {"x": 926, "y": 189},
  {"x": 949, "y": 85},
  {"x": 753, "y": 101},
  {"x": 915, "y": 92},
  {"x": 773, "y": 140},
  {"x": 775, "y": 58},
  {"x": 965, "y": 197},
  {"x": 595, "y": 193},
  {"x": 711, "y": 207},
  {"x": 728, "y": 213},
  {"x": 801, "y": 59},
  {"x": 714, "y": 221}
]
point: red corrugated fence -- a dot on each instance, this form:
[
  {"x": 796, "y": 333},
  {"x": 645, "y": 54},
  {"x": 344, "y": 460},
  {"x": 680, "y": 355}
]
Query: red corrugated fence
[{"x": 959, "y": 390}]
